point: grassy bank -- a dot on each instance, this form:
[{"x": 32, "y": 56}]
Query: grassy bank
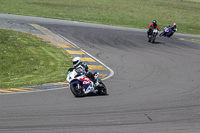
[
  {"x": 129, "y": 13},
  {"x": 193, "y": 40},
  {"x": 27, "y": 60}
]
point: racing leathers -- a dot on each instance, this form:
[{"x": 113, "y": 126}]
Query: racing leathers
[
  {"x": 151, "y": 27},
  {"x": 83, "y": 68}
]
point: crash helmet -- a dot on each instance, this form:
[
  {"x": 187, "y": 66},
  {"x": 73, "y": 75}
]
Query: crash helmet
[
  {"x": 174, "y": 25},
  {"x": 76, "y": 61},
  {"x": 154, "y": 23}
]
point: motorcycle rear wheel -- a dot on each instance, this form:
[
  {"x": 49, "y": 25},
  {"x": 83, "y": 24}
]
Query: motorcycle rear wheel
[{"x": 101, "y": 88}]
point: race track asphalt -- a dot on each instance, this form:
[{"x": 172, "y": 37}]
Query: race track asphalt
[{"x": 155, "y": 88}]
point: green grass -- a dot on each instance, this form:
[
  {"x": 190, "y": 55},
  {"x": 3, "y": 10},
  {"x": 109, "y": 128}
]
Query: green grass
[
  {"x": 128, "y": 13},
  {"x": 193, "y": 40},
  {"x": 27, "y": 60},
  {"x": 193, "y": 1}
]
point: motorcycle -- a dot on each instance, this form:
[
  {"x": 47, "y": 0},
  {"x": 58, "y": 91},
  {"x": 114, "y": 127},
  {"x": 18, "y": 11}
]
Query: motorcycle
[
  {"x": 168, "y": 32},
  {"x": 153, "y": 34},
  {"x": 81, "y": 85}
]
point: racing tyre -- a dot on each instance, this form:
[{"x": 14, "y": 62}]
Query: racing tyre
[
  {"x": 161, "y": 34},
  {"x": 153, "y": 38},
  {"x": 77, "y": 90},
  {"x": 101, "y": 88}
]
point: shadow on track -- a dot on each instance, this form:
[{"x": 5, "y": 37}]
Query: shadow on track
[
  {"x": 92, "y": 95},
  {"x": 158, "y": 43}
]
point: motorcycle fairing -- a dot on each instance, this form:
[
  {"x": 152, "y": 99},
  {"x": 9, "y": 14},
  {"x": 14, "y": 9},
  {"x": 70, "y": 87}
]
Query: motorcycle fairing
[
  {"x": 75, "y": 82},
  {"x": 167, "y": 30},
  {"x": 86, "y": 82}
]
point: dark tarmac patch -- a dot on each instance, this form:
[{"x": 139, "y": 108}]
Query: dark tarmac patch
[{"x": 183, "y": 2}]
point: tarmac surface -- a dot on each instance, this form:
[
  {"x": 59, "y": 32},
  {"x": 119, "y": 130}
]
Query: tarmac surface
[{"x": 155, "y": 88}]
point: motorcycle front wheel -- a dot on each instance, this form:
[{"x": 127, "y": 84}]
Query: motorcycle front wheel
[
  {"x": 77, "y": 90},
  {"x": 153, "y": 38},
  {"x": 161, "y": 34}
]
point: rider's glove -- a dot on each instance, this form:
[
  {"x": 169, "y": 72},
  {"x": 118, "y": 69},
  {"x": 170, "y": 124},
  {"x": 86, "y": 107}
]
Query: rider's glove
[{"x": 84, "y": 72}]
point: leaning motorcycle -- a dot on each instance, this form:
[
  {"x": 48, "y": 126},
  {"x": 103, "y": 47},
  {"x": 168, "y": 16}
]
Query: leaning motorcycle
[
  {"x": 153, "y": 34},
  {"x": 81, "y": 85},
  {"x": 168, "y": 32}
]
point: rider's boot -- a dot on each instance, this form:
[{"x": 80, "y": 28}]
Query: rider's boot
[
  {"x": 148, "y": 34},
  {"x": 96, "y": 82}
]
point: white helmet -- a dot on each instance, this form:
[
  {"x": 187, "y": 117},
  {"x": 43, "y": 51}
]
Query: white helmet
[{"x": 76, "y": 61}]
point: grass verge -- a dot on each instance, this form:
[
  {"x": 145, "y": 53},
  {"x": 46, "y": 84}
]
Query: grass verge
[
  {"x": 27, "y": 60},
  {"x": 193, "y": 40},
  {"x": 192, "y": 1},
  {"x": 128, "y": 13}
]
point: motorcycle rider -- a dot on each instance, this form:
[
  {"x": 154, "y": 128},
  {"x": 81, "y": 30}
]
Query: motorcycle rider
[
  {"x": 151, "y": 27},
  {"x": 173, "y": 27},
  {"x": 84, "y": 69}
]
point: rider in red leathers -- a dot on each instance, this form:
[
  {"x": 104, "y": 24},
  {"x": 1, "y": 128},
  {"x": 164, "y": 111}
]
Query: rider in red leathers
[{"x": 151, "y": 26}]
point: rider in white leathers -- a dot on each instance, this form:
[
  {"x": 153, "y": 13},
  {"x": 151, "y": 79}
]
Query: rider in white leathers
[{"x": 83, "y": 68}]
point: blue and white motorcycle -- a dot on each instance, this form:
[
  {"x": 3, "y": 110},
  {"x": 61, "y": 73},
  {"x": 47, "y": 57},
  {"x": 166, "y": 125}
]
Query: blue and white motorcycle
[
  {"x": 80, "y": 84},
  {"x": 168, "y": 32}
]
